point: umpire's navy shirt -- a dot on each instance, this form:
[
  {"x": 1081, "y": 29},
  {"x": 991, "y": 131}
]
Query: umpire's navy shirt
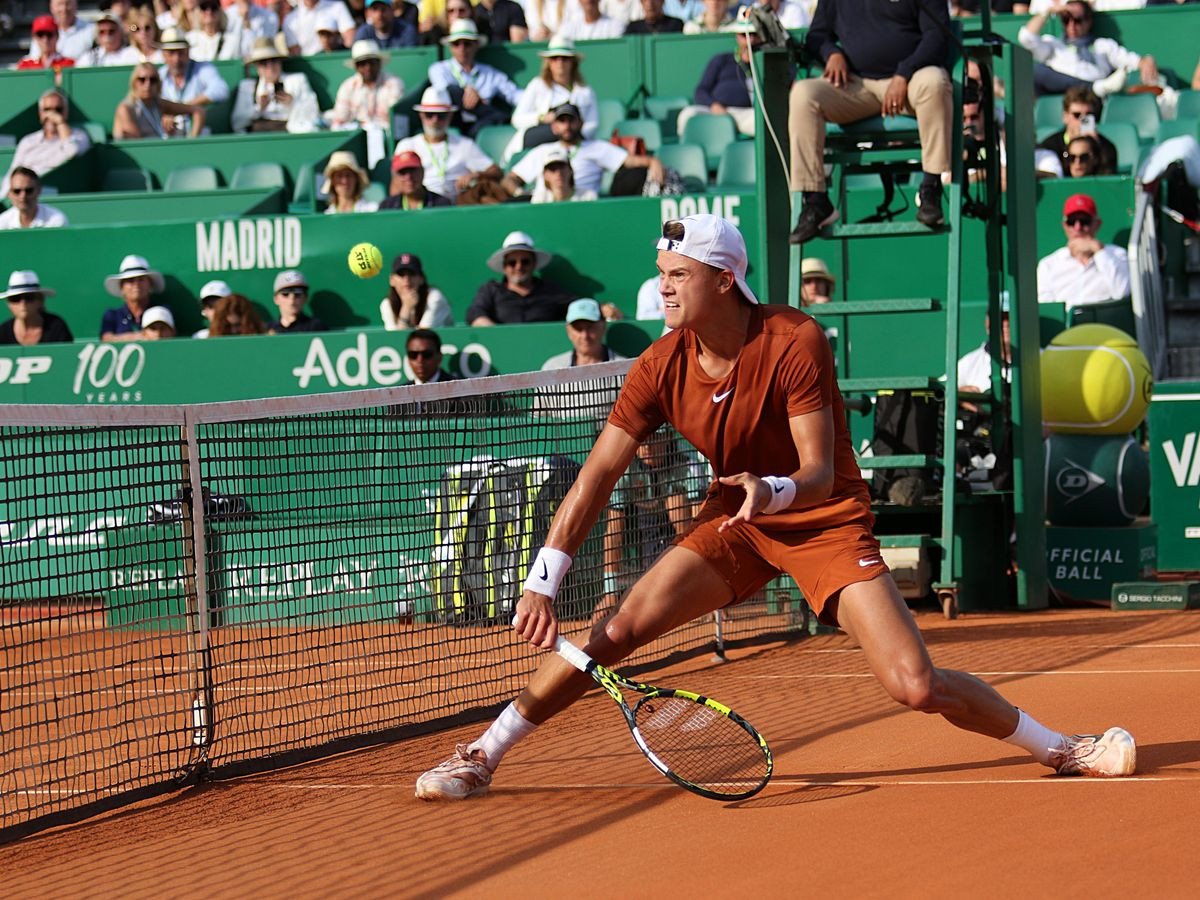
[{"x": 882, "y": 38}]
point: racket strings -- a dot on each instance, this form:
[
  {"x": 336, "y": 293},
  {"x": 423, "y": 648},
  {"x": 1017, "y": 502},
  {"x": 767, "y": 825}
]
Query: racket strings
[{"x": 701, "y": 745}]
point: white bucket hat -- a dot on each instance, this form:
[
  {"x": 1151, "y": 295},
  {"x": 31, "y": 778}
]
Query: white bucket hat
[
  {"x": 518, "y": 240},
  {"x": 560, "y": 46},
  {"x": 25, "y": 281},
  {"x": 134, "y": 267},
  {"x": 435, "y": 100},
  {"x": 365, "y": 49},
  {"x": 463, "y": 30},
  {"x": 716, "y": 242}
]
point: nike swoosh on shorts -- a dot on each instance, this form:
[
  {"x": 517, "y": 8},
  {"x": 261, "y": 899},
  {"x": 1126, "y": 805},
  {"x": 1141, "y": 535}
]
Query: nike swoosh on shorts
[{"x": 869, "y": 562}]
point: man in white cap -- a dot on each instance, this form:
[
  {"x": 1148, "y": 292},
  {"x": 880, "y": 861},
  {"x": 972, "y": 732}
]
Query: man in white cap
[
  {"x": 482, "y": 94},
  {"x": 753, "y": 389},
  {"x": 158, "y": 324},
  {"x": 291, "y": 293},
  {"x": 211, "y": 294},
  {"x": 519, "y": 295},
  {"x": 366, "y": 98},
  {"x": 451, "y": 161},
  {"x": 300, "y": 26},
  {"x": 134, "y": 283},
  {"x": 557, "y": 184},
  {"x": 30, "y": 323}
]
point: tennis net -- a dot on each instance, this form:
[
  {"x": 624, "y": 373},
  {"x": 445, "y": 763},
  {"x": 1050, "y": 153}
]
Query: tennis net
[{"x": 200, "y": 591}]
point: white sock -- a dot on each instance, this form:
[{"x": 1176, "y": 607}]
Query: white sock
[
  {"x": 509, "y": 728},
  {"x": 1035, "y": 737}
]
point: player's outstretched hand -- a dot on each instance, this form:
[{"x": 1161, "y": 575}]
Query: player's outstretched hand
[
  {"x": 758, "y": 495},
  {"x": 535, "y": 620}
]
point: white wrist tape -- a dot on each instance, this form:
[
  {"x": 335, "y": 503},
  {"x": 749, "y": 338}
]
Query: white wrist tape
[
  {"x": 783, "y": 492},
  {"x": 547, "y": 572}
]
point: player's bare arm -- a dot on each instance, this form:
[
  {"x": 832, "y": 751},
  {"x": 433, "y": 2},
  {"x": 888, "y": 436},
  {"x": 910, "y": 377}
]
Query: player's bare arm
[
  {"x": 535, "y": 620},
  {"x": 813, "y": 436}
]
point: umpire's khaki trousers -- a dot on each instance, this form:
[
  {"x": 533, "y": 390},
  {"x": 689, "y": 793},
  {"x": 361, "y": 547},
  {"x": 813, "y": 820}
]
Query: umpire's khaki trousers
[{"x": 814, "y": 101}]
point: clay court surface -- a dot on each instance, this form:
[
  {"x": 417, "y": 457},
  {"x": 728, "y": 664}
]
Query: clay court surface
[{"x": 867, "y": 800}]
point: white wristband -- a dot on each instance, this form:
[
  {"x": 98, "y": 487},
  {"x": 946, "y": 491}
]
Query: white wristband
[
  {"x": 783, "y": 492},
  {"x": 547, "y": 572}
]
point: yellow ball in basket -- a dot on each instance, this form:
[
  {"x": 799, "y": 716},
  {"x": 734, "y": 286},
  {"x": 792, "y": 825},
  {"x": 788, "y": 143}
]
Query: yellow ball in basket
[{"x": 365, "y": 260}]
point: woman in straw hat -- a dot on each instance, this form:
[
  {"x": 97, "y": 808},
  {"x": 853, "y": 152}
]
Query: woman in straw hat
[
  {"x": 145, "y": 114},
  {"x": 273, "y": 101},
  {"x": 345, "y": 181},
  {"x": 559, "y": 82}
]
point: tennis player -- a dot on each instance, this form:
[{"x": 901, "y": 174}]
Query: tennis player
[{"x": 753, "y": 388}]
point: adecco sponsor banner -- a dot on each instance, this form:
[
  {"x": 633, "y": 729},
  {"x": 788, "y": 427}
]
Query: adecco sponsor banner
[{"x": 247, "y": 368}]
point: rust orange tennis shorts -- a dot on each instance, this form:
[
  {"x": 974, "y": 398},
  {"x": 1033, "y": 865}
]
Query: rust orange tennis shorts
[{"x": 821, "y": 562}]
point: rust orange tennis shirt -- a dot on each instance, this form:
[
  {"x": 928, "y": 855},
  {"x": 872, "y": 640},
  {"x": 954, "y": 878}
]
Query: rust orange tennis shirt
[{"x": 740, "y": 422}]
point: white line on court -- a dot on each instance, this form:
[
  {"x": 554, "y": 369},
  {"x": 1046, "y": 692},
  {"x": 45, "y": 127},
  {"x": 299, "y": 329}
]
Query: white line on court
[{"x": 749, "y": 677}]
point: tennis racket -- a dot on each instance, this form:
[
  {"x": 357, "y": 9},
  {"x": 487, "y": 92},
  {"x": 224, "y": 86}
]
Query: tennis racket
[{"x": 700, "y": 744}]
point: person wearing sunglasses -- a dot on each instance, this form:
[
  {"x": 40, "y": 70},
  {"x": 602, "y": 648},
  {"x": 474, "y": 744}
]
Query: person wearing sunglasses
[
  {"x": 518, "y": 295},
  {"x": 411, "y": 301},
  {"x": 217, "y": 36},
  {"x": 1081, "y": 111},
  {"x": 1083, "y": 157},
  {"x": 385, "y": 28},
  {"x": 24, "y": 190},
  {"x": 30, "y": 323},
  {"x": 145, "y": 114},
  {"x": 1079, "y": 58},
  {"x": 451, "y": 161},
  {"x": 366, "y": 98},
  {"x": 273, "y": 100},
  {"x": 44, "y": 36},
  {"x": 144, "y": 35},
  {"x": 1085, "y": 271},
  {"x": 54, "y": 144},
  {"x": 111, "y": 48},
  {"x": 291, "y": 293},
  {"x": 482, "y": 94},
  {"x": 423, "y": 349},
  {"x": 308, "y": 17}
]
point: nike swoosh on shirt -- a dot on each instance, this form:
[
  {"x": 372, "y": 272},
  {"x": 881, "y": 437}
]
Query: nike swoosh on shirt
[
  {"x": 869, "y": 562},
  {"x": 717, "y": 398}
]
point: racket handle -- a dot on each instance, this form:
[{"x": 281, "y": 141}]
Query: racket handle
[{"x": 573, "y": 654}]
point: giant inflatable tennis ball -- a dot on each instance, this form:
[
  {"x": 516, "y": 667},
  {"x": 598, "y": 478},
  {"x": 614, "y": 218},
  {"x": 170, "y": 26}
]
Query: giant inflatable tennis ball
[
  {"x": 1100, "y": 481},
  {"x": 1095, "y": 380}
]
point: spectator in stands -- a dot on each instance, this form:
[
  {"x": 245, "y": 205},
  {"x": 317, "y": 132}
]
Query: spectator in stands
[
  {"x": 557, "y": 184},
  {"x": 1085, "y": 271},
  {"x": 144, "y": 35},
  {"x": 291, "y": 293},
  {"x": 589, "y": 159},
  {"x": 110, "y": 49},
  {"x": 45, "y": 39},
  {"x": 74, "y": 35},
  {"x": 451, "y": 161},
  {"x": 975, "y": 367},
  {"x": 483, "y": 95},
  {"x": 424, "y": 351},
  {"x": 1081, "y": 112},
  {"x": 588, "y": 23},
  {"x": 560, "y": 81},
  {"x": 327, "y": 33},
  {"x": 366, "y": 98},
  {"x": 387, "y": 31},
  {"x": 216, "y": 38},
  {"x": 1079, "y": 58},
  {"x": 300, "y": 27},
  {"x": 816, "y": 282},
  {"x": 518, "y": 296},
  {"x": 724, "y": 87},
  {"x": 134, "y": 283},
  {"x": 501, "y": 21},
  {"x": 411, "y": 302},
  {"x": 1083, "y": 157},
  {"x": 186, "y": 81},
  {"x": 144, "y": 113},
  {"x": 24, "y": 191},
  {"x": 236, "y": 315},
  {"x": 30, "y": 323},
  {"x": 212, "y": 293},
  {"x": 437, "y": 16},
  {"x": 345, "y": 181},
  {"x": 791, "y": 13},
  {"x": 715, "y": 16},
  {"x": 183, "y": 14},
  {"x": 874, "y": 65},
  {"x": 544, "y": 17},
  {"x": 650, "y": 301},
  {"x": 54, "y": 144},
  {"x": 654, "y": 21},
  {"x": 585, "y": 330},
  {"x": 407, "y": 189},
  {"x": 158, "y": 324},
  {"x": 249, "y": 17},
  {"x": 274, "y": 101}
]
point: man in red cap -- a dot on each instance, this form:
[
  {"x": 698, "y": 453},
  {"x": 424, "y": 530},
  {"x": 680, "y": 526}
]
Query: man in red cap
[
  {"x": 407, "y": 190},
  {"x": 45, "y": 38},
  {"x": 1085, "y": 271}
]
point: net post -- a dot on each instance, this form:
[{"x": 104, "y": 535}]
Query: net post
[{"x": 196, "y": 588}]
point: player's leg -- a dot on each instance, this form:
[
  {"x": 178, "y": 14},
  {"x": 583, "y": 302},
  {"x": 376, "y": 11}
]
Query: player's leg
[{"x": 876, "y": 616}]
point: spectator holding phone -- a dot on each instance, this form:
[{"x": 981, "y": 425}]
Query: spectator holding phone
[
  {"x": 273, "y": 101},
  {"x": 1081, "y": 111}
]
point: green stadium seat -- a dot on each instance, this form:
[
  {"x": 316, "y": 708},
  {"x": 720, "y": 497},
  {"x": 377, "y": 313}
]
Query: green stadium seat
[
  {"x": 1189, "y": 105},
  {"x": 737, "y": 167},
  {"x": 492, "y": 140},
  {"x": 304, "y": 196},
  {"x": 1047, "y": 110},
  {"x": 713, "y": 133},
  {"x": 1044, "y": 131},
  {"x": 375, "y": 192},
  {"x": 1139, "y": 109},
  {"x": 1178, "y": 128},
  {"x": 1124, "y": 136},
  {"x": 96, "y": 131},
  {"x": 665, "y": 110},
  {"x": 127, "y": 179},
  {"x": 610, "y": 112},
  {"x": 259, "y": 174},
  {"x": 688, "y": 160},
  {"x": 192, "y": 178},
  {"x": 647, "y": 129}
]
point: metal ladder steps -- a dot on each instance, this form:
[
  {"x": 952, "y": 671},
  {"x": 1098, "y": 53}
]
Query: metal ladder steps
[
  {"x": 856, "y": 307},
  {"x": 896, "y": 541},
  {"x": 898, "y": 383},
  {"x": 882, "y": 229},
  {"x": 900, "y": 461}
]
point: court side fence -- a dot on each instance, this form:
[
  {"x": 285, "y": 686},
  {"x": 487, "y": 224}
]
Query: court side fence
[{"x": 200, "y": 591}]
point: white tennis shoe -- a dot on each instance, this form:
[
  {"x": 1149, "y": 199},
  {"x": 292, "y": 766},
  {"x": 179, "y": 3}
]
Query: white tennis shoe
[
  {"x": 1109, "y": 755},
  {"x": 463, "y": 775}
]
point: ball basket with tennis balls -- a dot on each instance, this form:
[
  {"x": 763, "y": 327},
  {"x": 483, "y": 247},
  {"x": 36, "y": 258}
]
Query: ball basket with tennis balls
[
  {"x": 1095, "y": 380},
  {"x": 365, "y": 260}
]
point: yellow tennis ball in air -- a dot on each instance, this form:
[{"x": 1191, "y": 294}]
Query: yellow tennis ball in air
[
  {"x": 365, "y": 260},
  {"x": 1095, "y": 380}
]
